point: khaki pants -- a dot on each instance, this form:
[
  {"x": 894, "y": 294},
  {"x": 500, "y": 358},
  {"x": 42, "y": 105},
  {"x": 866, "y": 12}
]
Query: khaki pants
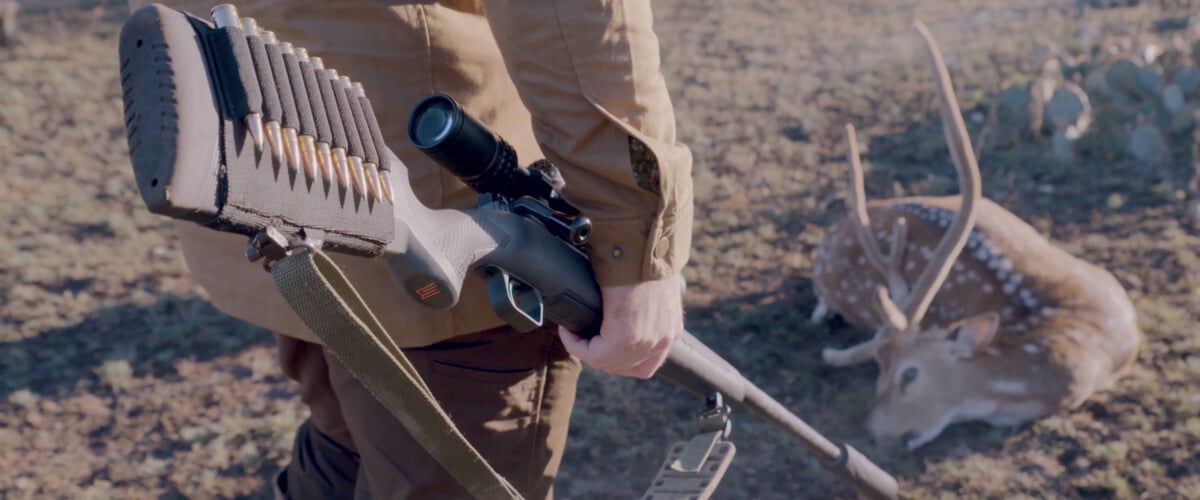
[{"x": 510, "y": 393}]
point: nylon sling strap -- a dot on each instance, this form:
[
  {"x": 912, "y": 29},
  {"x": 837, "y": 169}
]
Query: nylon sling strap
[{"x": 320, "y": 294}]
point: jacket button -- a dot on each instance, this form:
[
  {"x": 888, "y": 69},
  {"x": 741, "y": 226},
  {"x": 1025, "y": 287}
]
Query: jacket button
[{"x": 661, "y": 248}]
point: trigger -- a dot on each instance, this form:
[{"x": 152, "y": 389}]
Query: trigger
[{"x": 514, "y": 301}]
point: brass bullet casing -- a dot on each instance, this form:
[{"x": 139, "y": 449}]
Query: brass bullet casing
[
  {"x": 343, "y": 167},
  {"x": 254, "y": 121},
  {"x": 224, "y": 15},
  {"x": 274, "y": 132},
  {"x": 304, "y": 157},
  {"x": 359, "y": 176},
  {"x": 385, "y": 181},
  {"x": 325, "y": 160},
  {"x": 250, "y": 26},
  {"x": 324, "y": 153}
]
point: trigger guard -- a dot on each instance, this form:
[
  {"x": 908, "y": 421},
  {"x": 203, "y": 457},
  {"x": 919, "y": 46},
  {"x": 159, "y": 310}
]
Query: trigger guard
[{"x": 514, "y": 301}]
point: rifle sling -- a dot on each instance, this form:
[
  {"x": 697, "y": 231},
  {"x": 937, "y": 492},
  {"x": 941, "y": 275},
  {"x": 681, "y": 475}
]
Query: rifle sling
[{"x": 320, "y": 294}]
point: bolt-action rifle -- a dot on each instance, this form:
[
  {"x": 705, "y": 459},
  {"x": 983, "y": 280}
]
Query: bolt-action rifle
[{"x": 235, "y": 130}]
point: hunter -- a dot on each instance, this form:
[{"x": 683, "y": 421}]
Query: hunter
[{"x": 576, "y": 82}]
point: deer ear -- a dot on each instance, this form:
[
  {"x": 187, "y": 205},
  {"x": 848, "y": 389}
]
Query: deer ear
[{"x": 975, "y": 334}]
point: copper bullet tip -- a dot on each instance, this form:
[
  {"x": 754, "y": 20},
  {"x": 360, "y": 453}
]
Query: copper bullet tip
[
  {"x": 254, "y": 124},
  {"x": 343, "y": 167},
  {"x": 291, "y": 148},
  {"x": 325, "y": 159},
  {"x": 359, "y": 175},
  {"x": 386, "y": 182},
  {"x": 308, "y": 156}
]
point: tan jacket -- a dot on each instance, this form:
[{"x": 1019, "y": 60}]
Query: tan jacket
[{"x": 575, "y": 81}]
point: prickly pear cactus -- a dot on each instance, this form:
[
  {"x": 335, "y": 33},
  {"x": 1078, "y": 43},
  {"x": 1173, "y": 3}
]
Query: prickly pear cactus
[{"x": 1138, "y": 94}]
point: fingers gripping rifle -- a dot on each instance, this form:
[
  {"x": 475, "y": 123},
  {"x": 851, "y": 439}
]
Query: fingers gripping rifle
[{"x": 231, "y": 129}]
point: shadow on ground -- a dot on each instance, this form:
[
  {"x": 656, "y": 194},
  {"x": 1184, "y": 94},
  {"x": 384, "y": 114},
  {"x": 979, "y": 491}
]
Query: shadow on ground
[{"x": 148, "y": 339}]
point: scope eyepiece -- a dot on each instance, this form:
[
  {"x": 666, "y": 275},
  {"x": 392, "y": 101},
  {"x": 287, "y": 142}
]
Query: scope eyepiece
[{"x": 440, "y": 129}]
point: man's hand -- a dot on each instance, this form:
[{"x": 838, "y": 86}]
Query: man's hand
[{"x": 640, "y": 322}]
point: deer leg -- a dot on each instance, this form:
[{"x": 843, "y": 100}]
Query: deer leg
[
  {"x": 853, "y": 355},
  {"x": 820, "y": 313}
]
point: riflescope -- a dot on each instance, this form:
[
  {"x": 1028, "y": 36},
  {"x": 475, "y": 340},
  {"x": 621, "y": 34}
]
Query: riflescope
[{"x": 468, "y": 149}]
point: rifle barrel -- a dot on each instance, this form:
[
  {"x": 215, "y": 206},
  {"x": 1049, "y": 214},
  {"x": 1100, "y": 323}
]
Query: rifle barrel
[{"x": 697, "y": 369}]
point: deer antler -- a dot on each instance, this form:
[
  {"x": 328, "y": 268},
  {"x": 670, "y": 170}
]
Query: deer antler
[
  {"x": 887, "y": 266},
  {"x": 905, "y": 319},
  {"x": 962, "y": 154}
]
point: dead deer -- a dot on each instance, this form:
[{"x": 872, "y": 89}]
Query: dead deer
[{"x": 1016, "y": 328}]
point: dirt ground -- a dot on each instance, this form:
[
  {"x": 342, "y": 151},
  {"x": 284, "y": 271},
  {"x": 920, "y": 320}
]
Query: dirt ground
[{"x": 119, "y": 380}]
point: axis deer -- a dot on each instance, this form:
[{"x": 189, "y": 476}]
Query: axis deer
[{"x": 977, "y": 316}]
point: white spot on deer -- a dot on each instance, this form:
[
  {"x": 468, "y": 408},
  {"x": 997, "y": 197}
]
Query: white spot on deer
[
  {"x": 958, "y": 266},
  {"x": 1013, "y": 387},
  {"x": 960, "y": 278},
  {"x": 1005, "y": 264},
  {"x": 1030, "y": 348},
  {"x": 1009, "y": 287},
  {"x": 1007, "y": 312},
  {"x": 987, "y": 288},
  {"x": 1047, "y": 311},
  {"x": 910, "y": 265}
]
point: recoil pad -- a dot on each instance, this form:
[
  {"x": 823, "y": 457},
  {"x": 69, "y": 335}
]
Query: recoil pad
[{"x": 192, "y": 163}]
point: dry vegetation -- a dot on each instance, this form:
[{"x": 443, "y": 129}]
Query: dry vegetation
[{"x": 117, "y": 379}]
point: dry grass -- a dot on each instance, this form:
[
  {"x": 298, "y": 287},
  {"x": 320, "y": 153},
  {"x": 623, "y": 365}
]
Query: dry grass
[{"x": 118, "y": 379}]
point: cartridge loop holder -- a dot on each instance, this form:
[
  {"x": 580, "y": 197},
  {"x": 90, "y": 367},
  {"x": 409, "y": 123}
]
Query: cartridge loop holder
[{"x": 247, "y": 186}]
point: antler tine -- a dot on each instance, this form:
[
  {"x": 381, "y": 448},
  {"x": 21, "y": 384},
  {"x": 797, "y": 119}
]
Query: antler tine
[
  {"x": 889, "y": 265},
  {"x": 895, "y": 274},
  {"x": 858, "y": 206},
  {"x": 959, "y": 142}
]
